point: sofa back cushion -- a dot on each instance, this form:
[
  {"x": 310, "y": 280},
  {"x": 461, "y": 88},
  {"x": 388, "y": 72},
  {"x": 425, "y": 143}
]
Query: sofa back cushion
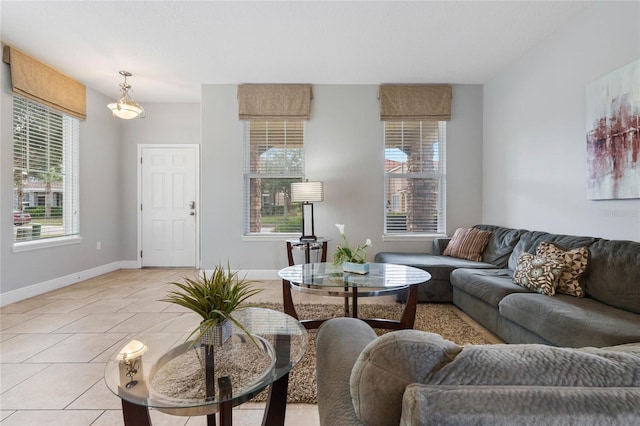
[
  {"x": 500, "y": 245},
  {"x": 613, "y": 274},
  {"x": 529, "y": 241}
]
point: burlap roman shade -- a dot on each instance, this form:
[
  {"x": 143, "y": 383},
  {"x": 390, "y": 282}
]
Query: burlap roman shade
[
  {"x": 400, "y": 102},
  {"x": 274, "y": 101},
  {"x": 41, "y": 83}
]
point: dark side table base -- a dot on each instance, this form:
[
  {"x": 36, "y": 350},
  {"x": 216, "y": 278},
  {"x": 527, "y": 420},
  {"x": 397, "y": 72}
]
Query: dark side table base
[{"x": 407, "y": 319}]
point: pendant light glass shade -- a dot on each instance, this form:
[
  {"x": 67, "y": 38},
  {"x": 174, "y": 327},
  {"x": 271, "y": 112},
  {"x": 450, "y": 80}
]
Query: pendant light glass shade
[{"x": 126, "y": 108}]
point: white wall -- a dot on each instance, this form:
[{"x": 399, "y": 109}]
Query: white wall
[
  {"x": 534, "y": 129},
  {"x": 344, "y": 148}
]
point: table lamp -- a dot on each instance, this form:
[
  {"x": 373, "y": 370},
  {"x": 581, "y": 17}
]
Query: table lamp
[{"x": 307, "y": 193}]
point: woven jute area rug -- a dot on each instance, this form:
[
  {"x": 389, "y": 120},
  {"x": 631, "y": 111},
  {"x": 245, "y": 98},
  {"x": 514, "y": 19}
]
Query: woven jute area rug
[{"x": 434, "y": 318}]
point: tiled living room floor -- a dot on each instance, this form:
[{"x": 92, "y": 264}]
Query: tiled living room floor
[{"x": 53, "y": 349}]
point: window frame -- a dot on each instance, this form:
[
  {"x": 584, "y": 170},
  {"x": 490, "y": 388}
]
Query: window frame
[
  {"x": 69, "y": 127},
  {"x": 248, "y": 175},
  {"x": 440, "y": 175}
]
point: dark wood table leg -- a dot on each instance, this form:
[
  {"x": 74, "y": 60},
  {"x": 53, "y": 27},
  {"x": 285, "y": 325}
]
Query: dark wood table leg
[
  {"x": 287, "y": 300},
  {"x": 277, "y": 400},
  {"x": 354, "y": 303},
  {"x": 135, "y": 415},
  {"x": 408, "y": 317}
]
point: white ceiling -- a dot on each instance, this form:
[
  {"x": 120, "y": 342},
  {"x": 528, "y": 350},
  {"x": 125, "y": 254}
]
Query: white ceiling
[{"x": 172, "y": 47}]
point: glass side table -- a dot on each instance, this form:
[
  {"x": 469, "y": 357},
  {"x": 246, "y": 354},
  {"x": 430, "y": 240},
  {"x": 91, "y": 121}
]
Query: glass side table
[
  {"x": 327, "y": 279},
  {"x": 159, "y": 368}
]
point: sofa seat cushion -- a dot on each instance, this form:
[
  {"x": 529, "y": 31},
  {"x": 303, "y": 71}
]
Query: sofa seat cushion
[
  {"x": 519, "y": 405},
  {"x": 439, "y": 267},
  {"x": 490, "y": 286},
  {"x": 541, "y": 365},
  {"x": 569, "y": 321}
]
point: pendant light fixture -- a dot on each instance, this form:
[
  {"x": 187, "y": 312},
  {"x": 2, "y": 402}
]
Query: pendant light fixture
[{"x": 126, "y": 108}]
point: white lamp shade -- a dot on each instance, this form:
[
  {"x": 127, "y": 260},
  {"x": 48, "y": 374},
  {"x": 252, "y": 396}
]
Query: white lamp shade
[
  {"x": 311, "y": 192},
  {"x": 125, "y": 110}
]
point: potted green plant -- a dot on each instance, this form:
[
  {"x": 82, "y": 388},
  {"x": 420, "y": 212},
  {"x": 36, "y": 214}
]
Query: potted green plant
[
  {"x": 214, "y": 298},
  {"x": 352, "y": 259}
]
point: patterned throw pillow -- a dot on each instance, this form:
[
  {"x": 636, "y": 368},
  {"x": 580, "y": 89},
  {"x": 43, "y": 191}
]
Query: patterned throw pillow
[
  {"x": 537, "y": 273},
  {"x": 467, "y": 243},
  {"x": 575, "y": 263}
]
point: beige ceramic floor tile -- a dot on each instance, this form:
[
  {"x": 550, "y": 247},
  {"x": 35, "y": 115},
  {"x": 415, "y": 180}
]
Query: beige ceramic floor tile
[
  {"x": 44, "y": 323},
  {"x": 95, "y": 323},
  {"x": 53, "y": 388},
  {"x": 25, "y": 346},
  {"x": 97, "y": 397},
  {"x": 110, "y": 418},
  {"x": 13, "y": 374},
  {"x": 5, "y": 413},
  {"x": 105, "y": 306},
  {"x": 142, "y": 321},
  {"x": 52, "y": 417},
  {"x": 78, "y": 348},
  {"x": 23, "y": 306},
  {"x": 61, "y": 306},
  {"x": 11, "y": 320}
]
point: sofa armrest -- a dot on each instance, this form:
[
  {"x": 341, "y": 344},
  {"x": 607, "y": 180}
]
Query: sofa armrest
[
  {"x": 388, "y": 365},
  {"x": 439, "y": 244},
  {"x": 509, "y": 405},
  {"x": 338, "y": 345}
]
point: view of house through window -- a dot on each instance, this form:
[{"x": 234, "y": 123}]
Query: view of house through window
[
  {"x": 414, "y": 177},
  {"x": 274, "y": 158},
  {"x": 45, "y": 172}
]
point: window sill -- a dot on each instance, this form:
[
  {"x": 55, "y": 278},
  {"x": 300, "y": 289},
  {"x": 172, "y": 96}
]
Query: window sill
[
  {"x": 411, "y": 237},
  {"x": 270, "y": 237},
  {"x": 45, "y": 243}
]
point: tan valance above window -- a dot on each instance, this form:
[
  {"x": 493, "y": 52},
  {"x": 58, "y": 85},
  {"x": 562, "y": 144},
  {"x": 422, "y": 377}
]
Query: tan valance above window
[
  {"x": 415, "y": 102},
  {"x": 41, "y": 83},
  {"x": 274, "y": 101}
]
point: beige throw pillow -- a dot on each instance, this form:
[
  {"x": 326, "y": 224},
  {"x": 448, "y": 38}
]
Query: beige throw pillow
[
  {"x": 575, "y": 263},
  {"x": 467, "y": 243}
]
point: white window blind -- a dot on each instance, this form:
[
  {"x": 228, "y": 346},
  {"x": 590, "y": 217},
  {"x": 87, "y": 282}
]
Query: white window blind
[
  {"x": 274, "y": 158},
  {"x": 415, "y": 178},
  {"x": 45, "y": 172}
]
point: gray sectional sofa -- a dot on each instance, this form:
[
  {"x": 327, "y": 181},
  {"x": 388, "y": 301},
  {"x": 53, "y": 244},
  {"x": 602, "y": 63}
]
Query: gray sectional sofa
[
  {"x": 608, "y": 315},
  {"x": 411, "y": 377}
]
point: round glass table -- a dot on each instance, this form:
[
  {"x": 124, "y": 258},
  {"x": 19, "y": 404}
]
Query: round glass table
[
  {"x": 328, "y": 279},
  {"x": 165, "y": 369}
]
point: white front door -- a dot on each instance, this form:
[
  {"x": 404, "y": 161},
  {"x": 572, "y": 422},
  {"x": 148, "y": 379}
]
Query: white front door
[{"x": 169, "y": 205}]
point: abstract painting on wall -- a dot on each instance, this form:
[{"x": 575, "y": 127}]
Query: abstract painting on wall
[{"x": 613, "y": 135}]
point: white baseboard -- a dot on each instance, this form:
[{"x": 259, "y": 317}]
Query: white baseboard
[{"x": 17, "y": 295}]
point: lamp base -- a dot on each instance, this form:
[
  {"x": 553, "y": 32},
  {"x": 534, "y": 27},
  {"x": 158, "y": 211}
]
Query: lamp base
[{"x": 308, "y": 238}]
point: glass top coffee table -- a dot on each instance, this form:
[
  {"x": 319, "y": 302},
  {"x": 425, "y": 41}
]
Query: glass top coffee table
[
  {"x": 164, "y": 369},
  {"x": 327, "y": 279}
]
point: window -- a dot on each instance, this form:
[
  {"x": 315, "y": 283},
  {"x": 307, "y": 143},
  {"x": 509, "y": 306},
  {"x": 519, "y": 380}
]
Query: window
[
  {"x": 45, "y": 172},
  {"x": 415, "y": 177},
  {"x": 274, "y": 158}
]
